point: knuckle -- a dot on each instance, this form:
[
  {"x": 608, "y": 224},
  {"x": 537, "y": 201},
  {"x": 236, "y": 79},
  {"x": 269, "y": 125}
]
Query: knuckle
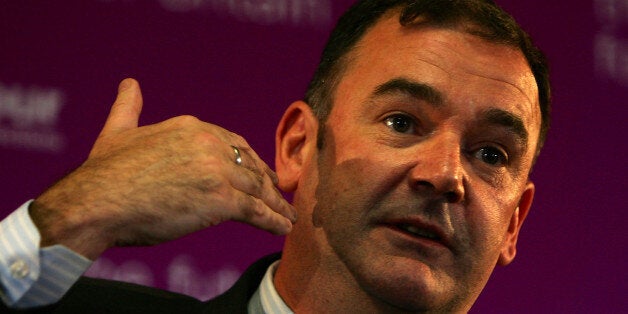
[
  {"x": 205, "y": 139},
  {"x": 183, "y": 121},
  {"x": 187, "y": 119},
  {"x": 211, "y": 163},
  {"x": 240, "y": 141},
  {"x": 251, "y": 208}
]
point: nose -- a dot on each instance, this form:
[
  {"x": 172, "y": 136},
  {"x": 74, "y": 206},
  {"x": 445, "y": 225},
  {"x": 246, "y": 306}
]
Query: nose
[{"x": 438, "y": 170}]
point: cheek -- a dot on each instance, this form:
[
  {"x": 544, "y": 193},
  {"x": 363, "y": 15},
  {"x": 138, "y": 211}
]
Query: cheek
[
  {"x": 487, "y": 218},
  {"x": 486, "y": 229},
  {"x": 348, "y": 190}
]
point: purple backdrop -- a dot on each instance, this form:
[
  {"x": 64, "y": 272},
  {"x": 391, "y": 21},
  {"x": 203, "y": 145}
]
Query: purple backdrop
[{"x": 239, "y": 63}]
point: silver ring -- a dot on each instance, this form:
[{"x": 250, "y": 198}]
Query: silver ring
[{"x": 238, "y": 157}]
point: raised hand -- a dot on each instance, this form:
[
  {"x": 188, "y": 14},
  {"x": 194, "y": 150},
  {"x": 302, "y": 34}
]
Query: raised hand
[{"x": 146, "y": 185}]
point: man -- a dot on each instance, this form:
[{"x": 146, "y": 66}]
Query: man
[{"x": 409, "y": 162}]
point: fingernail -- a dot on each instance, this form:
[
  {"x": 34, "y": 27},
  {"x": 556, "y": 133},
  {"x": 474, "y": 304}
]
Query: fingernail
[
  {"x": 125, "y": 84},
  {"x": 288, "y": 228},
  {"x": 283, "y": 229}
]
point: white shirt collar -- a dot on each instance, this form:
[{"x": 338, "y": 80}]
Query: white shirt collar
[{"x": 267, "y": 295}]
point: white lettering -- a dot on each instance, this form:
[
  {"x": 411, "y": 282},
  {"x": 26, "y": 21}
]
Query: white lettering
[
  {"x": 181, "y": 5},
  {"x": 185, "y": 278},
  {"x": 612, "y": 13},
  {"x": 315, "y": 13},
  {"x": 611, "y": 58},
  {"x": 182, "y": 276},
  {"x": 29, "y": 116},
  {"x": 129, "y": 271},
  {"x": 135, "y": 272},
  {"x": 27, "y": 108},
  {"x": 610, "y": 45},
  {"x": 32, "y": 140}
]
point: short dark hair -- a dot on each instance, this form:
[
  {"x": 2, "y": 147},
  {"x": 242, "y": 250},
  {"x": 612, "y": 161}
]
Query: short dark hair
[{"x": 482, "y": 18}]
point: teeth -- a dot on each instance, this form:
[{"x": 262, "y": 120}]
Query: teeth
[{"x": 418, "y": 231}]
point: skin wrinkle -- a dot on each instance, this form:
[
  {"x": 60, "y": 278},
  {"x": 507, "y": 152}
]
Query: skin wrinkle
[
  {"x": 433, "y": 210},
  {"x": 513, "y": 123},
  {"x": 421, "y": 91},
  {"x": 508, "y": 83},
  {"x": 488, "y": 64},
  {"x": 453, "y": 77},
  {"x": 466, "y": 42},
  {"x": 417, "y": 90},
  {"x": 367, "y": 172}
]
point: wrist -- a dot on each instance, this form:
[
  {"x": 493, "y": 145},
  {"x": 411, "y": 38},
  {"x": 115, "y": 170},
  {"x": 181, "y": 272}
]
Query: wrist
[{"x": 68, "y": 224}]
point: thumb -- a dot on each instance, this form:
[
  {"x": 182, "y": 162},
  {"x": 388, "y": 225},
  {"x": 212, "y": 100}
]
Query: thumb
[{"x": 125, "y": 111}]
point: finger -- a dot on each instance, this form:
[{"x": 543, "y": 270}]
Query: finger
[
  {"x": 261, "y": 187},
  {"x": 251, "y": 160},
  {"x": 267, "y": 177},
  {"x": 125, "y": 111},
  {"x": 259, "y": 165},
  {"x": 255, "y": 212}
]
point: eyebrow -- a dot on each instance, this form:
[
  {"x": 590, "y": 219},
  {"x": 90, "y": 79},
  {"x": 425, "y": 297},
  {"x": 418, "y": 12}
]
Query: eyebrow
[
  {"x": 512, "y": 122},
  {"x": 412, "y": 88},
  {"x": 493, "y": 116}
]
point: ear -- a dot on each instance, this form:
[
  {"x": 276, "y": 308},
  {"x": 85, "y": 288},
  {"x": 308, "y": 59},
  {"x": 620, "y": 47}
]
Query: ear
[
  {"x": 295, "y": 139},
  {"x": 509, "y": 249}
]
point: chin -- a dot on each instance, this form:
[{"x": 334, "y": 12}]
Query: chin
[{"x": 410, "y": 286}]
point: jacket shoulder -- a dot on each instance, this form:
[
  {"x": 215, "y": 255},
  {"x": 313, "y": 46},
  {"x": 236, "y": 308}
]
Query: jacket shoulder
[
  {"x": 236, "y": 299},
  {"x": 92, "y": 295}
]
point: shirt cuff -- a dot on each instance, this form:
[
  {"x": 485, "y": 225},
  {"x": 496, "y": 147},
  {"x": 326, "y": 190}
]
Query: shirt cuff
[{"x": 31, "y": 276}]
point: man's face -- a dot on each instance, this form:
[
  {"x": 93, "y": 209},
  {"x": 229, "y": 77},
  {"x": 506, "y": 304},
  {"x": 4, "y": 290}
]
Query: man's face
[{"x": 422, "y": 183}]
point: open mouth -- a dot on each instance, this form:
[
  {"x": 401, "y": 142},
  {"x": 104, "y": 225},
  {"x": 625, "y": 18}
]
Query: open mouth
[{"x": 418, "y": 232}]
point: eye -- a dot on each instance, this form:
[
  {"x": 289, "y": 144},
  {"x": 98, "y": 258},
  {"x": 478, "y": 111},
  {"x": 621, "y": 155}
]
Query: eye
[
  {"x": 401, "y": 123},
  {"x": 492, "y": 156}
]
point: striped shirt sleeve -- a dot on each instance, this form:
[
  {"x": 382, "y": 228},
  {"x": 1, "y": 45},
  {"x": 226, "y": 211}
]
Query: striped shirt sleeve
[{"x": 31, "y": 276}]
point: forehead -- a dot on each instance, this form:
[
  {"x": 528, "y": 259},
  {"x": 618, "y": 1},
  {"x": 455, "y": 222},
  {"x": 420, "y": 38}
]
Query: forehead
[{"x": 462, "y": 66}]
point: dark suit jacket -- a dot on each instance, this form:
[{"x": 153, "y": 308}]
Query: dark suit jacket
[{"x": 91, "y": 295}]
